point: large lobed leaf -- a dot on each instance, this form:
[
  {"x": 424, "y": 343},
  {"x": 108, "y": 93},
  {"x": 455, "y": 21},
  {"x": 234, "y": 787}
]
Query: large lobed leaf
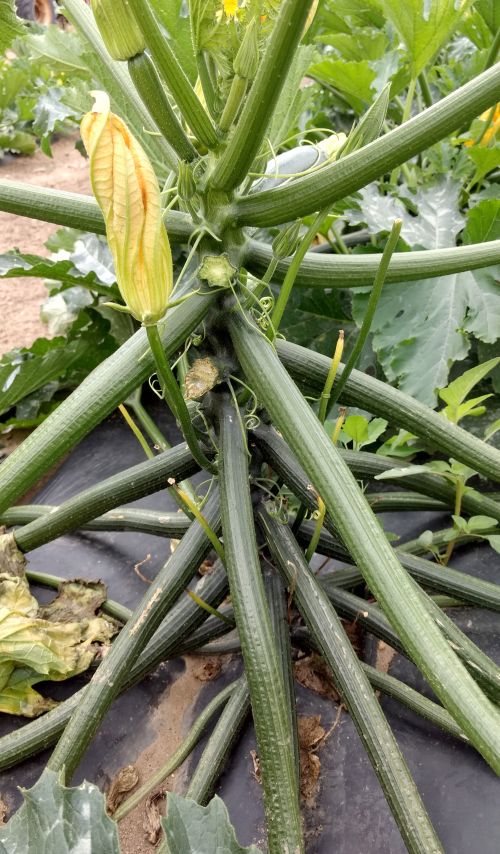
[
  {"x": 424, "y": 25},
  {"x": 55, "y": 819},
  {"x": 193, "y": 829},
  {"x": 421, "y": 328},
  {"x": 10, "y": 25}
]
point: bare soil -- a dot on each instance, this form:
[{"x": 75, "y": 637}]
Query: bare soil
[{"x": 20, "y": 299}]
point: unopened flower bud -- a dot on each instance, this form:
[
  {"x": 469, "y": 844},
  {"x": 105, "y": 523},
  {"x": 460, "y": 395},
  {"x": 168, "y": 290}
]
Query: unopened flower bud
[
  {"x": 186, "y": 186},
  {"x": 127, "y": 192},
  {"x": 285, "y": 243},
  {"x": 118, "y": 27},
  {"x": 246, "y": 60}
]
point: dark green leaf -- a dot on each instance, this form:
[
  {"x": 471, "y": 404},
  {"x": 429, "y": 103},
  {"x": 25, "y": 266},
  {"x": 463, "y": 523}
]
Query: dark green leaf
[
  {"x": 483, "y": 222},
  {"x": 353, "y": 79},
  {"x": 424, "y": 25},
  {"x": 193, "y": 829},
  {"x": 313, "y": 319},
  {"x": 55, "y": 819},
  {"x": 67, "y": 360}
]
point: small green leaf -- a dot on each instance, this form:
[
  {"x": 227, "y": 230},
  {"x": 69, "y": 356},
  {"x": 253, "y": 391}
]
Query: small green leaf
[
  {"x": 494, "y": 541},
  {"x": 426, "y": 539},
  {"x": 356, "y": 429},
  {"x": 193, "y": 829},
  {"x": 481, "y": 523},
  {"x": 492, "y": 429},
  {"x": 55, "y": 819},
  {"x": 403, "y": 444},
  {"x": 455, "y": 392}
]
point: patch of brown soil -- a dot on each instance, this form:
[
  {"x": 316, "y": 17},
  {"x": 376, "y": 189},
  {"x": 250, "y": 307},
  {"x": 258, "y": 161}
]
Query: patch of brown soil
[
  {"x": 170, "y": 724},
  {"x": 20, "y": 299},
  {"x": 385, "y": 654}
]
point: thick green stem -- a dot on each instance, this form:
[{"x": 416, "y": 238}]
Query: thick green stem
[
  {"x": 371, "y": 617},
  {"x": 122, "y": 519},
  {"x": 366, "y": 541},
  {"x": 179, "y": 756},
  {"x": 128, "y": 485},
  {"x": 377, "y": 736},
  {"x": 311, "y": 370},
  {"x": 174, "y": 399},
  {"x": 220, "y": 743},
  {"x": 149, "y": 86},
  {"x": 355, "y": 271},
  {"x": 245, "y": 141},
  {"x": 371, "y": 308},
  {"x": 153, "y": 607},
  {"x": 74, "y": 209},
  {"x": 467, "y": 588},
  {"x": 265, "y": 677},
  {"x": 342, "y": 177},
  {"x": 177, "y": 634},
  {"x": 166, "y": 61},
  {"x": 278, "y": 610}
]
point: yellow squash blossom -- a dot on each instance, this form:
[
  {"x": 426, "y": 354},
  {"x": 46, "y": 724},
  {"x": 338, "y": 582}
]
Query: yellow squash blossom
[
  {"x": 493, "y": 129},
  {"x": 230, "y": 8},
  {"x": 127, "y": 192}
]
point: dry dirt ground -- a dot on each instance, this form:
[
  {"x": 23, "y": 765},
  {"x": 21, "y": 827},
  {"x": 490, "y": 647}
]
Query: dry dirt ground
[{"x": 20, "y": 299}]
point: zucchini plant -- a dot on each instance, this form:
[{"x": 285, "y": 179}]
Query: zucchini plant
[{"x": 246, "y": 401}]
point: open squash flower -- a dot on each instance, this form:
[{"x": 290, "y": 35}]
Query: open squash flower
[{"x": 127, "y": 192}]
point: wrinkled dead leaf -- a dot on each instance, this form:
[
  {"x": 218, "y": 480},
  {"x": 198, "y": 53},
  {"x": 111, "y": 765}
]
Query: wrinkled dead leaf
[
  {"x": 311, "y": 733},
  {"x": 206, "y": 567},
  {"x": 256, "y": 772},
  {"x": 4, "y": 811},
  {"x": 207, "y": 669},
  {"x": 311, "y": 736},
  {"x": 123, "y": 782},
  {"x": 12, "y": 561},
  {"x": 37, "y": 643},
  {"x": 312, "y": 672},
  {"x": 310, "y": 768},
  {"x": 201, "y": 377},
  {"x": 153, "y": 816}
]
